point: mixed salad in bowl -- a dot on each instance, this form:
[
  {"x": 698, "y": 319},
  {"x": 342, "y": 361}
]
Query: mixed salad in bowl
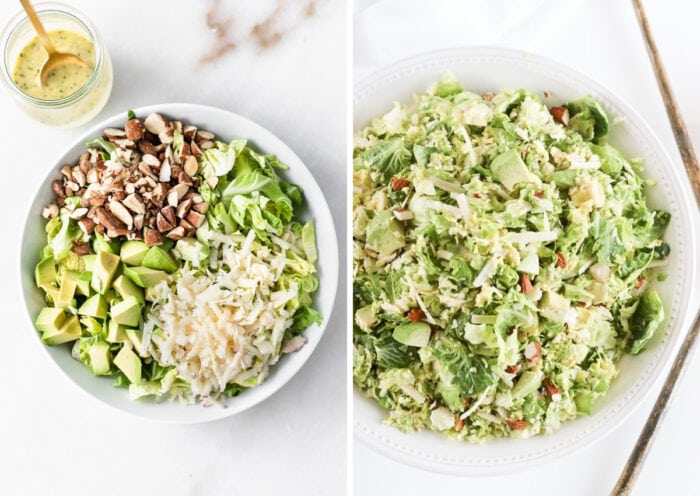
[
  {"x": 175, "y": 262},
  {"x": 503, "y": 261}
]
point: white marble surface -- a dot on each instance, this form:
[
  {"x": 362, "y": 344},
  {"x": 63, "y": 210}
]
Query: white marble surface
[
  {"x": 56, "y": 440},
  {"x": 599, "y": 38}
]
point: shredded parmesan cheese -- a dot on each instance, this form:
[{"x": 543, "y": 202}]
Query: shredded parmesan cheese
[{"x": 227, "y": 325}]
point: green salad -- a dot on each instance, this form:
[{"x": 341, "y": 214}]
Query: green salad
[
  {"x": 176, "y": 263},
  {"x": 503, "y": 255}
]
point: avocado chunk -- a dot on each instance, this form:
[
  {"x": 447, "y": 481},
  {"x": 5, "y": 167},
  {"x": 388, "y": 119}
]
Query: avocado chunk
[
  {"x": 89, "y": 261},
  {"x": 530, "y": 264},
  {"x": 105, "y": 267},
  {"x": 385, "y": 233},
  {"x": 529, "y": 382},
  {"x": 83, "y": 285},
  {"x": 554, "y": 307},
  {"x": 95, "y": 306},
  {"x": 129, "y": 363},
  {"x": 159, "y": 259},
  {"x": 365, "y": 318},
  {"x": 413, "y": 334},
  {"x": 116, "y": 333},
  {"x": 566, "y": 178},
  {"x": 125, "y": 287},
  {"x": 100, "y": 358},
  {"x": 126, "y": 312},
  {"x": 45, "y": 273},
  {"x": 136, "y": 338},
  {"x": 145, "y": 277},
  {"x": 49, "y": 318},
  {"x": 69, "y": 282},
  {"x": 584, "y": 402},
  {"x": 133, "y": 252},
  {"x": 510, "y": 169},
  {"x": 70, "y": 330},
  {"x": 100, "y": 243}
]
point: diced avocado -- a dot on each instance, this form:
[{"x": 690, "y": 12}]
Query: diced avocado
[
  {"x": 510, "y": 169},
  {"x": 89, "y": 261},
  {"x": 95, "y": 306},
  {"x": 530, "y": 264},
  {"x": 151, "y": 294},
  {"x": 133, "y": 251},
  {"x": 385, "y": 233},
  {"x": 116, "y": 333},
  {"x": 45, "y": 273},
  {"x": 145, "y": 277},
  {"x": 126, "y": 312},
  {"x": 413, "y": 334},
  {"x": 83, "y": 285},
  {"x": 69, "y": 281},
  {"x": 106, "y": 265},
  {"x": 49, "y": 318},
  {"x": 192, "y": 251},
  {"x": 584, "y": 402},
  {"x": 159, "y": 259},
  {"x": 125, "y": 287},
  {"x": 51, "y": 293},
  {"x": 565, "y": 178},
  {"x": 554, "y": 307},
  {"x": 69, "y": 331},
  {"x": 365, "y": 317},
  {"x": 100, "y": 243},
  {"x": 136, "y": 338},
  {"x": 529, "y": 382},
  {"x": 129, "y": 363},
  {"x": 100, "y": 358}
]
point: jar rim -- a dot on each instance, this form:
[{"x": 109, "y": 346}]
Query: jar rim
[{"x": 20, "y": 20}]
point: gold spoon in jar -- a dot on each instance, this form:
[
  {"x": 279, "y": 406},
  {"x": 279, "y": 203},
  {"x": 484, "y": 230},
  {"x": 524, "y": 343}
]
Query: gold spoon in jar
[{"x": 56, "y": 58}]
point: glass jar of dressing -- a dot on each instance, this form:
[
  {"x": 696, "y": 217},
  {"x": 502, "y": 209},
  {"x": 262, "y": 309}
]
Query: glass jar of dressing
[{"x": 72, "y": 95}]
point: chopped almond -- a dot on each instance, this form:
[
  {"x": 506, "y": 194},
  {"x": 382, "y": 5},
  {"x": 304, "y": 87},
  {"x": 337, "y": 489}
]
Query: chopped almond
[
  {"x": 398, "y": 183},
  {"x": 561, "y": 260},
  {"x": 415, "y": 315},
  {"x": 459, "y": 423},
  {"x": 525, "y": 284},
  {"x": 560, "y": 114},
  {"x": 639, "y": 282},
  {"x": 516, "y": 424},
  {"x": 533, "y": 350}
]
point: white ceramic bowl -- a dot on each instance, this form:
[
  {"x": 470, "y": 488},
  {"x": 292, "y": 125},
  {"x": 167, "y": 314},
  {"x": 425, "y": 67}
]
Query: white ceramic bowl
[
  {"x": 491, "y": 69},
  {"x": 226, "y": 125}
]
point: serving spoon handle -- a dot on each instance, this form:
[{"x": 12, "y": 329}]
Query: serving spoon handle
[
  {"x": 636, "y": 459},
  {"x": 38, "y": 26}
]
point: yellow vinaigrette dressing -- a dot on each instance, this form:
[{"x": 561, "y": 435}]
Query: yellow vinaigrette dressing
[{"x": 64, "y": 80}]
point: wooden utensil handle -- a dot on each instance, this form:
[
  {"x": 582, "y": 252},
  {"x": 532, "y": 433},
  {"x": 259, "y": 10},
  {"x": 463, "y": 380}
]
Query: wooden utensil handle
[{"x": 38, "y": 26}]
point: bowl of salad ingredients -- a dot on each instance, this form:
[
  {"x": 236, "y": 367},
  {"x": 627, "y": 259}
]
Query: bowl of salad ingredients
[
  {"x": 171, "y": 262},
  {"x": 522, "y": 260}
]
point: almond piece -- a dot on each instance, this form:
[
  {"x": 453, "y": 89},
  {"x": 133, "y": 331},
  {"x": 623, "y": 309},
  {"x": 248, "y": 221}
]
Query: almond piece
[
  {"x": 147, "y": 147},
  {"x": 134, "y": 129},
  {"x": 194, "y": 148},
  {"x": 138, "y": 221},
  {"x": 162, "y": 223},
  {"x": 107, "y": 220},
  {"x": 164, "y": 176},
  {"x": 155, "y": 124},
  {"x": 67, "y": 171},
  {"x": 177, "y": 233},
  {"x": 172, "y": 198},
  {"x": 124, "y": 143},
  {"x": 134, "y": 203},
  {"x": 195, "y": 218},
  {"x": 153, "y": 237},
  {"x": 201, "y": 207},
  {"x": 560, "y": 114},
  {"x": 169, "y": 214},
  {"x": 121, "y": 213},
  {"x": 112, "y": 133},
  {"x": 166, "y": 136},
  {"x": 50, "y": 211},
  {"x": 189, "y": 131},
  {"x": 183, "y": 208},
  {"x": 150, "y": 160},
  {"x": 181, "y": 190},
  {"x": 190, "y": 166},
  {"x": 87, "y": 225},
  {"x": 206, "y": 144},
  {"x": 184, "y": 153},
  {"x": 204, "y": 136}
]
